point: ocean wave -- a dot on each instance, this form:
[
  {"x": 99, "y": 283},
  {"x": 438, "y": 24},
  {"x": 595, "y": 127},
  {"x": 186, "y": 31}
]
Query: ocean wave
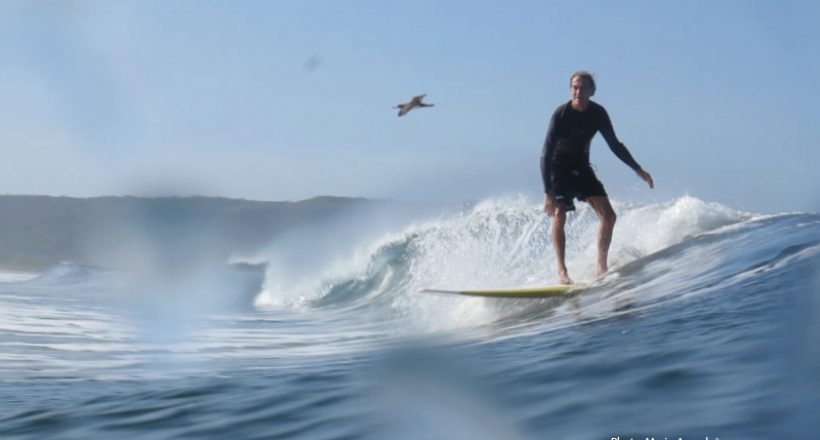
[{"x": 505, "y": 242}]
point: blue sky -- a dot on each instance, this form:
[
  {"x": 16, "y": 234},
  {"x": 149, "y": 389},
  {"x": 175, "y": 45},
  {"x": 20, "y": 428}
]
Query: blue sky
[{"x": 285, "y": 100}]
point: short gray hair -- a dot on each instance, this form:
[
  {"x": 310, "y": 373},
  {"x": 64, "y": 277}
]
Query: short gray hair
[{"x": 585, "y": 76}]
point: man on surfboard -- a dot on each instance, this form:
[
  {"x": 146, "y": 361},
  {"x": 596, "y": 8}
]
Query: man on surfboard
[{"x": 567, "y": 173}]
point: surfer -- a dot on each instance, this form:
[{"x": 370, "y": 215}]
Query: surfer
[{"x": 567, "y": 173}]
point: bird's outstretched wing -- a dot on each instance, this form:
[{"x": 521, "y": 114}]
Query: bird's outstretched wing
[{"x": 415, "y": 102}]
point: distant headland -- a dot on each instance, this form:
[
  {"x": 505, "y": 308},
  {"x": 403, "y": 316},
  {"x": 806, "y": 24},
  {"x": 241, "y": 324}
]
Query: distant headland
[{"x": 40, "y": 231}]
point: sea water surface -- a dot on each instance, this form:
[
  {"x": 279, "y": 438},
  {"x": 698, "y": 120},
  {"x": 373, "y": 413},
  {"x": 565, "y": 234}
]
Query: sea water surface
[{"x": 706, "y": 327}]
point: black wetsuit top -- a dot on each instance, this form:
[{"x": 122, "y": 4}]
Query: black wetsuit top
[{"x": 569, "y": 136}]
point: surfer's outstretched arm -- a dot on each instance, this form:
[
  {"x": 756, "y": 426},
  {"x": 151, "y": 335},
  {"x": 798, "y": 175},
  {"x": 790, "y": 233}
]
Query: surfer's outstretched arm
[{"x": 621, "y": 151}]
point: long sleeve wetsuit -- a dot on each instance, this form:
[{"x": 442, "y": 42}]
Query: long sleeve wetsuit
[{"x": 568, "y": 138}]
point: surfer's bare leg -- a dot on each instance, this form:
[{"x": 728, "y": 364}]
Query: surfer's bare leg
[
  {"x": 559, "y": 219},
  {"x": 607, "y": 217}
]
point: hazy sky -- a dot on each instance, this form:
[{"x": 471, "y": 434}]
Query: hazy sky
[{"x": 284, "y": 100}]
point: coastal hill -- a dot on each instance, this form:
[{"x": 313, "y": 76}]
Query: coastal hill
[{"x": 40, "y": 231}]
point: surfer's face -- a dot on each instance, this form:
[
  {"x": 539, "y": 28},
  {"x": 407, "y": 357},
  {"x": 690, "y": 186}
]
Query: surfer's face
[{"x": 580, "y": 91}]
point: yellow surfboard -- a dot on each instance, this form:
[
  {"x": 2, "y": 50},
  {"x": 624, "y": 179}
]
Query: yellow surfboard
[{"x": 516, "y": 292}]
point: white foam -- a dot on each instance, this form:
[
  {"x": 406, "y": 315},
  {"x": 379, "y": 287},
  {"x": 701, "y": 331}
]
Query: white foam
[
  {"x": 499, "y": 242},
  {"x": 641, "y": 231}
]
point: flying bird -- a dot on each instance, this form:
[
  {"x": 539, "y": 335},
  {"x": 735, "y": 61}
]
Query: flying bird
[{"x": 415, "y": 102}]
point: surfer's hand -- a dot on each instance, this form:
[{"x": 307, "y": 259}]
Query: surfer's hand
[
  {"x": 646, "y": 178},
  {"x": 549, "y": 205}
]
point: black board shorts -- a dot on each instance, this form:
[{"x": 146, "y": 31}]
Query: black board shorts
[{"x": 574, "y": 182}]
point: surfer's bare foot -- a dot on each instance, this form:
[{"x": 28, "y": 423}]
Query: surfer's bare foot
[
  {"x": 563, "y": 277},
  {"x": 602, "y": 270}
]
